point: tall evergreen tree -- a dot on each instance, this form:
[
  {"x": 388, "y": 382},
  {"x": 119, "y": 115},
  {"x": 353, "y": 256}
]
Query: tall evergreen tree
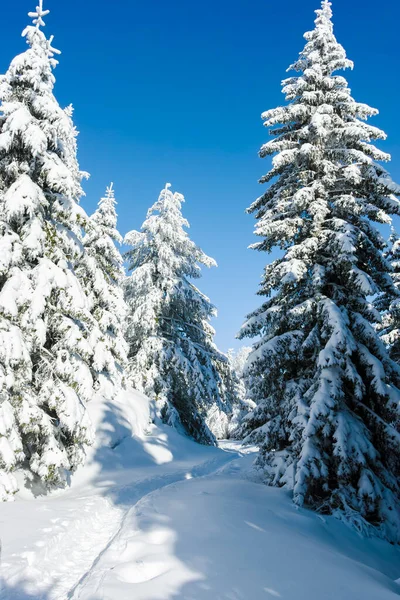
[
  {"x": 101, "y": 271},
  {"x": 242, "y": 405},
  {"x": 45, "y": 375},
  {"x": 326, "y": 390},
  {"x": 172, "y": 356}
]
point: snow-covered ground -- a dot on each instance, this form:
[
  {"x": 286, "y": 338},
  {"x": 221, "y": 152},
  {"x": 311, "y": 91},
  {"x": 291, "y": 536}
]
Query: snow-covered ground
[{"x": 158, "y": 517}]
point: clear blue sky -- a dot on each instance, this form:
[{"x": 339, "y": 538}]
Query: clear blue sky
[{"x": 173, "y": 91}]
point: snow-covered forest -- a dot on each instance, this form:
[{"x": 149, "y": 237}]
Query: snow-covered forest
[{"x": 138, "y": 460}]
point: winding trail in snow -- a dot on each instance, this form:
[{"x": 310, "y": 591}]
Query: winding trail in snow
[
  {"x": 90, "y": 582},
  {"x": 65, "y": 561}
]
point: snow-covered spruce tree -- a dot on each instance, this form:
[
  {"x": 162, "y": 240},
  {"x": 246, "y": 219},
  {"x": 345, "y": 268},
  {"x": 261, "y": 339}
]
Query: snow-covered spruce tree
[
  {"x": 238, "y": 361},
  {"x": 45, "y": 374},
  {"x": 242, "y": 405},
  {"x": 101, "y": 272},
  {"x": 172, "y": 356},
  {"x": 326, "y": 390}
]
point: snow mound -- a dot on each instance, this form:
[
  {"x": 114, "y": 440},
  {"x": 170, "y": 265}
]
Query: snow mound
[{"x": 118, "y": 417}]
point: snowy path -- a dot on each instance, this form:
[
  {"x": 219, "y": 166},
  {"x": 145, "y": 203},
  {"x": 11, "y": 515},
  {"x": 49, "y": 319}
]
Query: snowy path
[
  {"x": 166, "y": 519},
  {"x": 125, "y": 545},
  {"x": 221, "y": 537},
  {"x": 67, "y": 535}
]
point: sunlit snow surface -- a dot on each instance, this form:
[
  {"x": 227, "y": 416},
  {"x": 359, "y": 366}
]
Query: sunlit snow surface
[{"x": 157, "y": 517}]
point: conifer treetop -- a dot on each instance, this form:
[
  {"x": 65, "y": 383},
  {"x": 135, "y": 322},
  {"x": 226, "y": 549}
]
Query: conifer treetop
[
  {"x": 105, "y": 217},
  {"x": 38, "y": 15},
  {"x": 322, "y": 48},
  {"x": 110, "y": 194},
  {"x": 108, "y": 200},
  {"x": 324, "y": 18},
  {"x": 165, "y": 226},
  {"x": 34, "y": 34}
]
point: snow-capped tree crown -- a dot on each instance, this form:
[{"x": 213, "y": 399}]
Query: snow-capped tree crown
[
  {"x": 162, "y": 258},
  {"x": 238, "y": 359},
  {"x": 106, "y": 215},
  {"x": 163, "y": 237},
  {"x": 34, "y": 124},
  {"x": 38, "y": 15},
  {"x": 323, "y": 153},
  {"x": 323, "y": 55},
  {"x": 102, "y": 236}
]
